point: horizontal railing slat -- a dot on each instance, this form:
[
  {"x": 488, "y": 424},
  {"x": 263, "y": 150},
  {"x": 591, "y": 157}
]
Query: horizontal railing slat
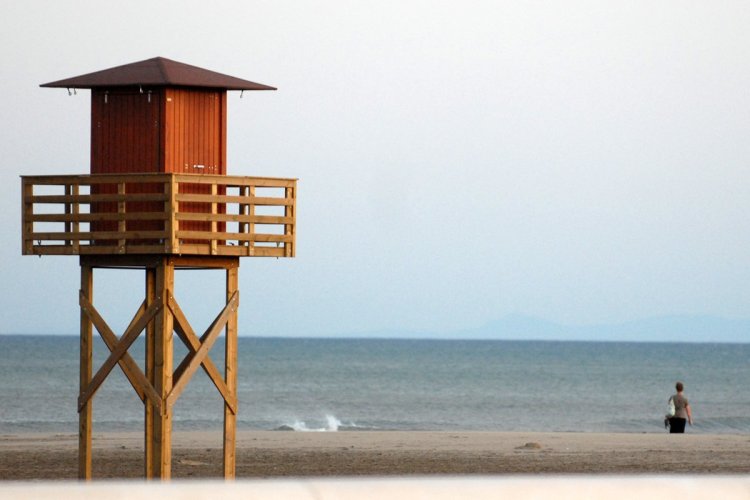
[
  {"x": 97, "y": 198},
  {"x": 221, "y": 180},
  {"x": 235, "y": 181},
  {"x": 207, "y": 235},
  {"x": 100, "y": 235},
  {"x": 96, "y": 179},
  {"x": 253, "y": 200},
  {"x": 99, "y": 217},
  {"x": 252, "y": 219}
]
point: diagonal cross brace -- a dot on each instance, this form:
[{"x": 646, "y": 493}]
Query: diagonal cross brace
[
  {"x": 199, "y": 351},
  {"x": 130, "y": 368},
  {"x": 193, "y": 343},
  {"x": 119, "y": 351}
]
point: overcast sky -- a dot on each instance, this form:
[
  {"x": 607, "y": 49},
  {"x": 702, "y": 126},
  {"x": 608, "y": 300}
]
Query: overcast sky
[{"x": 580, "y": 162}]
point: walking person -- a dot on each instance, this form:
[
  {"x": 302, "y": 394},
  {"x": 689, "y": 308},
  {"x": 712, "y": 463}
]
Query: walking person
[{"x": 682, "y": 412}]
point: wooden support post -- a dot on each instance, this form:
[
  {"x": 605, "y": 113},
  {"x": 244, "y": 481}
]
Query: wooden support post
[
  {"x": 85, "y": 413},
  {"x": 161, "y": 385},
  {"x": 163, "y": 327},
  {"x": 230, "y": 375},
  {"x": 149, "y": 410}
]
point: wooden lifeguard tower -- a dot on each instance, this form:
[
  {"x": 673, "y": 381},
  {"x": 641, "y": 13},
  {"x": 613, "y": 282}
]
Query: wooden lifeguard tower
[{"x": 158, "y": 198}]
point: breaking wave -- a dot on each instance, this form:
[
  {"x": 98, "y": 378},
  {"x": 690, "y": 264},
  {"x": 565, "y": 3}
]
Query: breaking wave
[{"x": 332, "y": 424}]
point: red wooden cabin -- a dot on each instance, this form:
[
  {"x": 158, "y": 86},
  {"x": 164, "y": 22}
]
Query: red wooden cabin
[{"x": 157, "y": 116}]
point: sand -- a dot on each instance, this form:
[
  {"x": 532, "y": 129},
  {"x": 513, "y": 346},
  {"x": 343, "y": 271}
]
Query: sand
[{"x": 273, "y": 454}]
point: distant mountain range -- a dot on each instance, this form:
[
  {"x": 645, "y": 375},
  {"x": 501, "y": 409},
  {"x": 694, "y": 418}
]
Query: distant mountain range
[{"x": 657, "y": 329}]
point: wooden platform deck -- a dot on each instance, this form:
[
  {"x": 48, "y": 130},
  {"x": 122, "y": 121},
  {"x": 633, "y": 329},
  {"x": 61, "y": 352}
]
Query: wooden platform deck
[{"x": 166, "y": 214}]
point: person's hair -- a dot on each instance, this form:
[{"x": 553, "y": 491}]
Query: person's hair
[{"x": 679, "y": 386}]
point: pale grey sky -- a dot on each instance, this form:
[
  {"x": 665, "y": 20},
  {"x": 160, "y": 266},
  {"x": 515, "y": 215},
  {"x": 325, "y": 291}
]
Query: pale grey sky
[{"x": 579, "y": 161}]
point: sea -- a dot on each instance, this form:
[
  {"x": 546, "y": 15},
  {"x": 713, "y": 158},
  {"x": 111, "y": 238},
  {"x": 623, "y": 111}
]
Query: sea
[{"x": 338, "y": 385}]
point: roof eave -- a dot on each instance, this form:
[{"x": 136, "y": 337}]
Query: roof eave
[
  {"x": 64, "y": 84},
  {"x": 156, "y": 72}
]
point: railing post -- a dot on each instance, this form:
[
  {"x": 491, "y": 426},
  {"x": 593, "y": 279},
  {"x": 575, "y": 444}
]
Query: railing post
[
  {"x": 27, "y": 216},
  {"x": 76, "y": 210},
  {"x": 290, "y": 211},
  {"x": 242, "y": 227},
  {"x": 68, "y": 188},
  {"x": 251, "y": 226},
  {"x": 171, "y": 207},
  {"x": 121, "y": 225},
  {"x": 214, "y": 211}
]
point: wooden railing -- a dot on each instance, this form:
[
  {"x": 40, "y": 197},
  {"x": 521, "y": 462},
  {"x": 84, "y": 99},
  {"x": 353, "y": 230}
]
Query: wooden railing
[{"x": 158, "y": 214}]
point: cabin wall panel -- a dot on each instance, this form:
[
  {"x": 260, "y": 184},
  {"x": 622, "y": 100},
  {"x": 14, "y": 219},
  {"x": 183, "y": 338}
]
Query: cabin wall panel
[{"x": 125, "y": 138}]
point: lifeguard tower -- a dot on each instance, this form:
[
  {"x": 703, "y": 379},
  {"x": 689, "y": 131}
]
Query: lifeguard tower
[{"x": 158, "y": 198}]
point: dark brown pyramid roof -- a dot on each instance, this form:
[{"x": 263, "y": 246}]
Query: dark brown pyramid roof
[{"x": 159, "y": 72}]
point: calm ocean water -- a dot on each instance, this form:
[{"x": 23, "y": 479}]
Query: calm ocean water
[{"x": 325, "y": 384}]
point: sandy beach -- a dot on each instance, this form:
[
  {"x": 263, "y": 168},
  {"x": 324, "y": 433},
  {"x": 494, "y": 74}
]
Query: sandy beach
[{"x": 272, "y": 454}]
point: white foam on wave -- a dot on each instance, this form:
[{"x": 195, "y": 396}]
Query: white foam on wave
[{"x": 333, "y": 424}]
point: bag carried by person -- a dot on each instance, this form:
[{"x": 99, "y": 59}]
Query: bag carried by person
[{"x": 670, "y": 408}]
